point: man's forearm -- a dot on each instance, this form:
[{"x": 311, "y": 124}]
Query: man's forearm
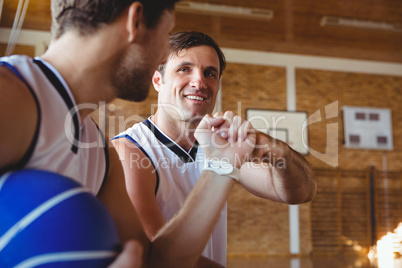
[
  {"x": 278, "y": 173},
  {"x": 181, "y": 241},
  {"x": 297, "y": 177}
]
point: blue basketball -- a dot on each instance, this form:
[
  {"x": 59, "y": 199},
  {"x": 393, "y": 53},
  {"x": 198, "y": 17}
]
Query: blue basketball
[{"x": 48, "y": 220}]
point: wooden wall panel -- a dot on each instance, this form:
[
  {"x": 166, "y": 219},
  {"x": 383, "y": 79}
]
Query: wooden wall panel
[
  {"x": 253, "y": 86},
  {"x": 325, "y": 213},
  {"x": 256, "y": 227},
  {"x": 295, "y": 27},
  {"x": 37, "y": 17},
  {"x": 342, "y": 219},
  {"x": 19, "y": 49},
  {"x": 316, "y": 89},
  {"x": 388, "y": 188},
  {"x": 355, "y": 212}
]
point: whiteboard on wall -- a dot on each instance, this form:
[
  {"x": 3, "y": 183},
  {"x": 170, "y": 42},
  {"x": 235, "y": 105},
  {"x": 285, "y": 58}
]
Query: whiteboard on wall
[
  {"x": 367, "y": 128},
  {"x": 286, "y": 126}
]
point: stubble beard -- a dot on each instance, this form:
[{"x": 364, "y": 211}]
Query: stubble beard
[
  {"x": 132, "y": 85},
  {"x": 132, "y": 78}
]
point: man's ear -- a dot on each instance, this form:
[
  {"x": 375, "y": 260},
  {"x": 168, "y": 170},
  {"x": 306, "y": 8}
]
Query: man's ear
[
  {"x": 135, "y": 20},
  {"x": 157, "y": 80}
]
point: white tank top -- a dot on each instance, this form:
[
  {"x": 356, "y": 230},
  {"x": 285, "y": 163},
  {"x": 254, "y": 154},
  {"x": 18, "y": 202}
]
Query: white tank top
[
  {"x": 63, "y": 143},
  {"x": 177, "y": 171}
]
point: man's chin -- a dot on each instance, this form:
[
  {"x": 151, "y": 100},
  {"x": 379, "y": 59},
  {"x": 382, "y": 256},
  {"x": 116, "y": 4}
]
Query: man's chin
[{"x": 195, "y": 118}]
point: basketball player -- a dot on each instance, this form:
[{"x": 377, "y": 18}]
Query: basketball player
[
  {"x": 160, "y": 156},
  {"x": 100, "y": 50}
]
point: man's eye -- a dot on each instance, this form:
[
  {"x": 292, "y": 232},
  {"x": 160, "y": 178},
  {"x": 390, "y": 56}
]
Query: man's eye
[{"x": 210, "y": 74}]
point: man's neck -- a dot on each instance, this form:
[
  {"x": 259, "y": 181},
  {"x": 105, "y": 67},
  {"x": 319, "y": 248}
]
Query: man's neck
[
  {"x": 182, "y": 132},
  {"x": 88, "y": 83}
]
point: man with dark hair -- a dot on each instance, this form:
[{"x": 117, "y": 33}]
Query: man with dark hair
[
  {"x": 88, "y": 16},
  {"x": 103, "y": 49},
  {"x": 161, "y": 157},
  {"x": 183, "y": 40}
]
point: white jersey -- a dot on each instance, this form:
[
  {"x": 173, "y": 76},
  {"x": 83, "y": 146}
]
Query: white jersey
[
  {"x": 177, "y": 171},
  {"x": 62, "y": 143}
]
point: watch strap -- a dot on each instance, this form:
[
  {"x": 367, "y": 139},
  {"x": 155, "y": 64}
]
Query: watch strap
[{"x": 222, "y": 167}]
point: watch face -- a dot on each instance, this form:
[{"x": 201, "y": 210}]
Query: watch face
[
  {"x": 222, "y": 168},
  {"x": 219, "y": 166},
  {"x": 227, "y": 167}
]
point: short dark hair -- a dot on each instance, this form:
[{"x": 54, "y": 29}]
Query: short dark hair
[
  {"x": 188, "y": 39},
  {"x": 87, "y": 16}
]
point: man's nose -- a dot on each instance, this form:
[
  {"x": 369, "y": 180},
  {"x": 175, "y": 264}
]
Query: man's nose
[{"x": 197, "y": 80}]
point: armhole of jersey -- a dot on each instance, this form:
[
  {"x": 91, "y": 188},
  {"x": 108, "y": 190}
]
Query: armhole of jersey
[
  {"x": 145, "y": 153},
  {"x": 32, "y": 146},
  {"x": 64, "y": 95},
  {"x": 105, "y": 147}
]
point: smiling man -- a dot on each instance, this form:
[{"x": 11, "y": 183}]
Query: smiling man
[
  {"x": 160, "y": 177},
  {"x": 161, "y": 158}
]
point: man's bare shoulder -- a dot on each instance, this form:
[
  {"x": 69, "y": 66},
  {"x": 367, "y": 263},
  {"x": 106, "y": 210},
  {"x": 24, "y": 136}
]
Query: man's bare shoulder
[{"x": 18, "y": 118}]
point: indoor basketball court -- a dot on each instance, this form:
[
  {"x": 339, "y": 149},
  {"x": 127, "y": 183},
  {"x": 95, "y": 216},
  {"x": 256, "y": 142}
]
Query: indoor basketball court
[{"x": 323, "y": 76}]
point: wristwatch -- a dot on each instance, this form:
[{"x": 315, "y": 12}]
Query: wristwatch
[{"x": 222, "y": 167}]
